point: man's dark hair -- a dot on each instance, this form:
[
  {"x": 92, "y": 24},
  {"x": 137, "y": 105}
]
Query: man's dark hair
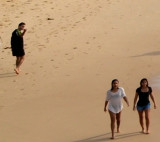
[{"x": 22, "y": 23}]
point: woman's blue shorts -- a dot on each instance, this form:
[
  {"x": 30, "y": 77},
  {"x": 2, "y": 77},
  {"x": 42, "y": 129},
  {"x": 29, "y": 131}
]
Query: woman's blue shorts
[{"x": 140, "y": 108}]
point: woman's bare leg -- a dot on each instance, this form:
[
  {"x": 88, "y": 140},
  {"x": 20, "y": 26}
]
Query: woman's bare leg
[
  {"x": 118, "y": 118},
  {"x": 141, "y": 120},
  {"x": 147, "y": 117},
  {"x": 113, "y": 119}
]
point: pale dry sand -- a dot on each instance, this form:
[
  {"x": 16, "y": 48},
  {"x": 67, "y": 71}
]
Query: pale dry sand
[{"x": 74, "y": 48}]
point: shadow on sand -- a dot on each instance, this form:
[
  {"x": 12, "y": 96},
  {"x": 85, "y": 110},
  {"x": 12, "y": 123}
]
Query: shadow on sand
[
  {"x": 5, "y": 75},
  {"x": 155, "y": 53},
  {"x": 107, "y": 136}
]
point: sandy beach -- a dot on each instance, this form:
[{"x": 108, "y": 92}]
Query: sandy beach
[{"x": 74, "y": 48}]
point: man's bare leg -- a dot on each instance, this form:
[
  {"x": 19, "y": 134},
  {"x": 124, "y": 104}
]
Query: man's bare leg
[
  {"x": 17, "y": 63},
  {"x": 20, "y": 62}
]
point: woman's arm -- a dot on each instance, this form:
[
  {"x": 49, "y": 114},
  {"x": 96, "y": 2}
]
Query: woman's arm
[
  {"x": 152, "y": 97},
  {"x": 105, "y": 105},
  {"x": 126, "y": 100},
  {"x": 135, "y": 101}
]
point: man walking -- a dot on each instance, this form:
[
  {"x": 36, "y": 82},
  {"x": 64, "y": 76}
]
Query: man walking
[{"x": 17, "y": 45}]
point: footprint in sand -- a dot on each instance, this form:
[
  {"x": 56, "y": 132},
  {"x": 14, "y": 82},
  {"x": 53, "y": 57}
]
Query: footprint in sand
[
  {"x": 50, "y": 18},
  {"x": 99, "y": 6},
  {"x": 99, "y": 46},
  {"x": 87, "y": 42},
  {"x": 70, "y": 58},
  {"x": 47, "y": 40},
  {"x": 78, "y": 21},
  {"x": 74, "y": 25},
  {"x": 40, "y": 49},
  {"x": 85, "y": 52},
  {"x": 75, "y": 47},
  {"x": 84, "y": 18}
]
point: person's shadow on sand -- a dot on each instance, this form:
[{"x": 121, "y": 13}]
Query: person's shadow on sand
[
  {"x": 107, "y": 136},
  {"x": 5, "y": 75},
  {"x": 155, "y": 53}
]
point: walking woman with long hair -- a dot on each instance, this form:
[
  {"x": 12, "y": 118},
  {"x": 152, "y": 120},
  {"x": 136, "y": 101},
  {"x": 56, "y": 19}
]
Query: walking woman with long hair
[
  {"x": 115, "y": 106},
  {"x": 143, "y": 105}
]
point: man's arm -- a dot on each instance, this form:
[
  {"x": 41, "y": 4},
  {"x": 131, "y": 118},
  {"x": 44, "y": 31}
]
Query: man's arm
[{"x": 24, "y": 31}]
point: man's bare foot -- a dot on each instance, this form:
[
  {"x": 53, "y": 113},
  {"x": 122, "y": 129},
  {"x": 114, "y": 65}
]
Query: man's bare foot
[
  {"x": 118, "y": 131},
  {"x": 16, "y": 71}
]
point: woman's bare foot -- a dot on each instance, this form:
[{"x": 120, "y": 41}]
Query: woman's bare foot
[
  {"x": 143, "y": 131},
  {"x": 112, "y": 138},
  {"x": 16, "y": 71},
  {"x": 118, "y": 131},
  {"x": 148, "y": 132}
]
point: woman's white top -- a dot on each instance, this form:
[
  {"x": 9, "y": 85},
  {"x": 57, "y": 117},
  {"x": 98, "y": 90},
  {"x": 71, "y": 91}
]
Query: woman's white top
[{"x": 115, "y": 100}]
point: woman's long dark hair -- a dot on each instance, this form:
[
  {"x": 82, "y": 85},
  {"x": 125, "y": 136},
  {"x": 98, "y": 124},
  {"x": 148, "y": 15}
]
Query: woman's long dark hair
[
  {"x": 113, "y": 82},
  {"x": 144, "y": 79}
]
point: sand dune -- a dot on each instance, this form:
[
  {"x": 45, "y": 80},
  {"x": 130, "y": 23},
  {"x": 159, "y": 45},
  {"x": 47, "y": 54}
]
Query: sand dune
[{"x": 74, "y": 48}]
